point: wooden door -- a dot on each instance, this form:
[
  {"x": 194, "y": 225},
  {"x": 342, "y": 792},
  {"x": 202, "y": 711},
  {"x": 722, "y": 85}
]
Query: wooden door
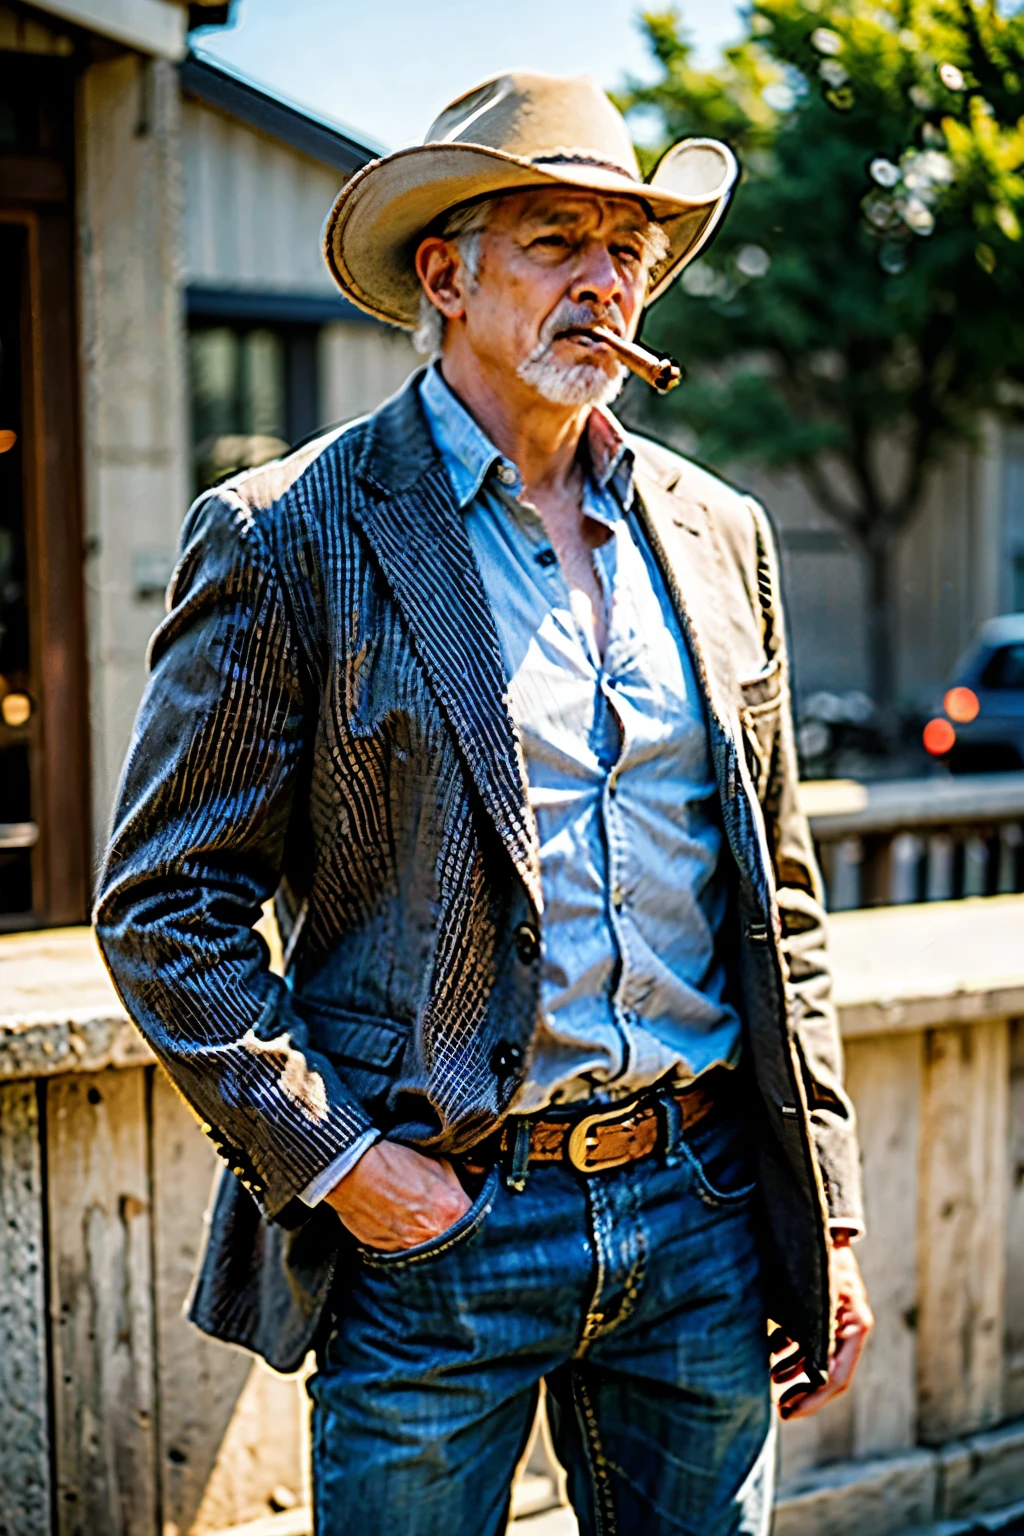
[{"x": 44, "y": 832}]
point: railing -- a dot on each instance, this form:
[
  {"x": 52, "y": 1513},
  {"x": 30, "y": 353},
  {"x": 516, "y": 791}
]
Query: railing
[
  {"x": 917, "y": 840},
  {"x": 116, "y": 1416}
]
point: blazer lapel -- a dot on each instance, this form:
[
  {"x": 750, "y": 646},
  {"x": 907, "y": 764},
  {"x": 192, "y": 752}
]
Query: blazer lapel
[
  {"x": 682, "y": 537},
  {"x": 415, "y": 529}
]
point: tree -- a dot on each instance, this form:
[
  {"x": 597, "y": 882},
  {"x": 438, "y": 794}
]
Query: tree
[{"x": 862, "y": 309}]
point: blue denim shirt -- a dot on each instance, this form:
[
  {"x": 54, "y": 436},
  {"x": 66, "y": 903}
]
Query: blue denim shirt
[{"x": 620, "y": 782}]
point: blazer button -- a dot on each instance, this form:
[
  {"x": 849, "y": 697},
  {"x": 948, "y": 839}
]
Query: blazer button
[
  {"x": 505, "y": 1059},
  {"x": 527, "y": 943}
]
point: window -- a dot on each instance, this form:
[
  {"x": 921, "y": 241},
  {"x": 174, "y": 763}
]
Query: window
[
  {"x": 254, "y": 395},
  {"x": 1005, "y": 668}
]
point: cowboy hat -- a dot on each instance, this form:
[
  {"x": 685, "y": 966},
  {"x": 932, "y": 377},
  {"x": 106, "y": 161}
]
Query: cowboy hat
[{"x": 513, "y": 132}]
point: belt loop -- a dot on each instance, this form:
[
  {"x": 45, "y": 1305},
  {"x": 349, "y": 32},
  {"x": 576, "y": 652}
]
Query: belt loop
[
  {"x": 672, "y": 1125},
  {"x": 519, "y": 1167}
]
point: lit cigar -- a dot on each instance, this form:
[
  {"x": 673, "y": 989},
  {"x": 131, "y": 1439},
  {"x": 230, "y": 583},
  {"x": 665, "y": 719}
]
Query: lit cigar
[{"x": 662, "y": 373}]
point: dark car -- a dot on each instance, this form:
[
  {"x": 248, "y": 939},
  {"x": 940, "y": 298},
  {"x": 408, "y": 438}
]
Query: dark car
[{"x": 981, "y": 726}]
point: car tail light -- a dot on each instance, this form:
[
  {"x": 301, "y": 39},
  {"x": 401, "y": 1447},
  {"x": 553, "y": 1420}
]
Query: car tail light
[
  {"x": 938, "y": 736},
  {"x": 961, "y": 705}
]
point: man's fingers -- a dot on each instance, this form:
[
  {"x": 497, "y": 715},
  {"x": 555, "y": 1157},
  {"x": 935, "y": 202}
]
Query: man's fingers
[
  {"x": 788, "y": 1370},
  {"x": 796, "y": 1398},
  {"x": 844, "y": 1361},
  {"x": 800, "y": 1402}
]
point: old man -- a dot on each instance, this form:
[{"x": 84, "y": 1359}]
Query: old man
[{"x": 493, "y": 695}]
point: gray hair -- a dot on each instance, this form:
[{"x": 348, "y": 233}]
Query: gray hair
[{"x": 464, "y": 225}]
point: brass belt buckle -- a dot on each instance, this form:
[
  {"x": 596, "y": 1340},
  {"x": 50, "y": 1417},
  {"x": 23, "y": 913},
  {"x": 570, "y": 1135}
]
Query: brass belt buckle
[{"x": 579, "y": 1138}]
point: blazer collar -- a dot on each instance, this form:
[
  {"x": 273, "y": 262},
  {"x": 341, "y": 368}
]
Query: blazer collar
[{"x": 414, "y": 526}]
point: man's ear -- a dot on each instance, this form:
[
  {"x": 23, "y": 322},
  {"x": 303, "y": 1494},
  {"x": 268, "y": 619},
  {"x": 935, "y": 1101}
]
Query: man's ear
[{"x": 442, "y": 275}]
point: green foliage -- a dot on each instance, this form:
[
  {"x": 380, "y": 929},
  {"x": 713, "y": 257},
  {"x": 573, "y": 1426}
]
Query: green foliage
[{"x": 868, "y": 284}]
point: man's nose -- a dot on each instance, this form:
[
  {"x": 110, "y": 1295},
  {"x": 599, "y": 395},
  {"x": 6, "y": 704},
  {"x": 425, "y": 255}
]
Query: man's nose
[{"x": 597, "y": 280}]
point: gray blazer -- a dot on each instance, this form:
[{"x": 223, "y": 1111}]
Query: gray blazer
[{"x": 325, "y": 719}]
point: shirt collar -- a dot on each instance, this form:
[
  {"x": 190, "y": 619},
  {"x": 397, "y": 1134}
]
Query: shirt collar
[
  {"x": 470, "y": 456},
  {"x": 467, "y": 451}
]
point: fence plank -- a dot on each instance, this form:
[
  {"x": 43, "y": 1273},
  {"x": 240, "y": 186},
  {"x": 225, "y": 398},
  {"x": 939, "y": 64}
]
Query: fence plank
[
  {"x": 24, "y": 1435},
  {"x": 100, "y": 1285},
  {"x": 961, "y": 1234},
  {"x": 1013, "y": 1404},
  {"x": 884, "y": 1079},
  {"x": 230, "y": 1432}
]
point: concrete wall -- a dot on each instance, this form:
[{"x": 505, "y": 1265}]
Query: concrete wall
[{"x": 134, "y": 436}]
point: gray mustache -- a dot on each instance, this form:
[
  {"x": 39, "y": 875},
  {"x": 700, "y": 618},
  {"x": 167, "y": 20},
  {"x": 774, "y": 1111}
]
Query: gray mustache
[{"x": 569, "y": 316}]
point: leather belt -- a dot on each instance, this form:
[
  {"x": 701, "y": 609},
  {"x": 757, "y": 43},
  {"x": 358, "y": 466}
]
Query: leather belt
[{"x": 619, "y": 1133}]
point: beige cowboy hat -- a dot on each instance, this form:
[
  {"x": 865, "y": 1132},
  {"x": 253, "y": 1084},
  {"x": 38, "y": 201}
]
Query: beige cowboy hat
[{"x": 512, "y": 132}]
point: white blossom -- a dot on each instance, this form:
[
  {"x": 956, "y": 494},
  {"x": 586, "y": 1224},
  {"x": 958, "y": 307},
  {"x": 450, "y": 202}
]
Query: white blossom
[
  {"x": 884, "y": 172},
  {"x": 826, "y": 41},
  {"x": 833, "y": 73},
  {"x": 752, "y": 260}
]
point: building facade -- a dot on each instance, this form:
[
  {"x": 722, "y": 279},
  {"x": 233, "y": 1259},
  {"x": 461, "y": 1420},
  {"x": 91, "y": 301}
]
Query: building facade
[{"x": 165, "y": 317}]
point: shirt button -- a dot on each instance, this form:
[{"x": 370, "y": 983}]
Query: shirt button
[
  {"x": 617, "y": 897},
  {"x": 506, "y": 474},
  {"x": 546, "y": 557},
  {"x": 527, "y": 942}
]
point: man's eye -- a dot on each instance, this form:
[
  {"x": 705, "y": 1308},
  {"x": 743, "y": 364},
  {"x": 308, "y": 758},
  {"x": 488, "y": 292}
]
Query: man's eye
[
  {"x": 628, "y": 253},
  {"x": 558, "y": 240}
]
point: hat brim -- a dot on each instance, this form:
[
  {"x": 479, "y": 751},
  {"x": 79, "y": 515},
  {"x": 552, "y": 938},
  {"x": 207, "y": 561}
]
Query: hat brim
[{"x": 380, "y": 215}]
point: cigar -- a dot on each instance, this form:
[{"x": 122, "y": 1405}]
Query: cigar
[{"x": 662, "y": 373}]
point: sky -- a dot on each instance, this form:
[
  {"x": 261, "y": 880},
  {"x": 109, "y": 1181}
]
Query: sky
[{"x": 386, "y": 69}]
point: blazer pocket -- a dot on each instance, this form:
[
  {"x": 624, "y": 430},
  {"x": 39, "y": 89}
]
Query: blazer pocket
[
  {"x": 364, "y": 1047},
  {"x": 760, "y": 706}
]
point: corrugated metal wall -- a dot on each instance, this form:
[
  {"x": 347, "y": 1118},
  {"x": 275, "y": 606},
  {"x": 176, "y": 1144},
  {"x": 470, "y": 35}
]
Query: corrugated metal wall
[{"x": 254, "y": 209}]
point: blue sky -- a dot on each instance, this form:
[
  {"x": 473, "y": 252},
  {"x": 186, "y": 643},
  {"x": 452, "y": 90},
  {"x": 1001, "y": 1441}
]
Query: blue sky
[{"x": 387, "y": 69}]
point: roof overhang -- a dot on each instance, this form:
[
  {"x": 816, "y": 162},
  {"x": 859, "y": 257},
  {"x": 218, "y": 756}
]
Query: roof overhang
[
  {"x": 217, "y": 86},
  {"x": 158, "y": 27}
]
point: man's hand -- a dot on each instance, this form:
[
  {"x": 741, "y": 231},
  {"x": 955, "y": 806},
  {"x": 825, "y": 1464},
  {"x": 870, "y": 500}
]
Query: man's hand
[
  {"x": 396, "y": 1198},
  {"x": 854, "y": 1321}
]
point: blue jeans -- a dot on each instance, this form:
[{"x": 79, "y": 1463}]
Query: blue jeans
[{"x": 634, "y": 1293}]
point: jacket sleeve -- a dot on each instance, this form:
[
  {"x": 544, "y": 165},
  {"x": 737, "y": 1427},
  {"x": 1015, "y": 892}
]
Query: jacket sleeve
[
  {"x": 196, "y": 848},
  {"x": 812, "y": 1015}
]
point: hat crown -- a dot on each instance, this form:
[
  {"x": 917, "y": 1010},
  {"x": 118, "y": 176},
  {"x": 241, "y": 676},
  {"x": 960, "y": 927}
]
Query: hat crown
[{"x": 540, "y": 118}]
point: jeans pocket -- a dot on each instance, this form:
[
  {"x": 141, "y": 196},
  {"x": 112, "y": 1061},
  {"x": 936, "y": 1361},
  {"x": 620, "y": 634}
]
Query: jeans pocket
[
  {"x": 455, "y": 1236},
  {"x": 722, "y": 1164}
]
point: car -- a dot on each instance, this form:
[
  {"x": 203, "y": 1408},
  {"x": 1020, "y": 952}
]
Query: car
[{"x": 980, "y": 727}]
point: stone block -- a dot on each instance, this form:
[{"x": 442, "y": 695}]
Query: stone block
[
  {"x": 981, "y": 1473},
  {"x": 882, "y": 1497}
]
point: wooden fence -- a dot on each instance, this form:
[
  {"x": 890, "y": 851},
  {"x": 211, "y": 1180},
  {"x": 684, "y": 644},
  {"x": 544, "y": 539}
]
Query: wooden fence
[
  {"x": 916, "y": 840},
  {"x": 118, "y": 1419}
]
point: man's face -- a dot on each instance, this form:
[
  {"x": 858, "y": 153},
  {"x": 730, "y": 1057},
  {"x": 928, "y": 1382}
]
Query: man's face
[{"x": 550, "y": 264}]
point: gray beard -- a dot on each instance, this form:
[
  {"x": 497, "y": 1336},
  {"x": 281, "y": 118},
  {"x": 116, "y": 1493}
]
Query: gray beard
[{"x": 577, "y": 384}]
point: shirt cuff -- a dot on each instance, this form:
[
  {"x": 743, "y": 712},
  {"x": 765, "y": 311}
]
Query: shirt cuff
[{"x": 318, "y": 1188}]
